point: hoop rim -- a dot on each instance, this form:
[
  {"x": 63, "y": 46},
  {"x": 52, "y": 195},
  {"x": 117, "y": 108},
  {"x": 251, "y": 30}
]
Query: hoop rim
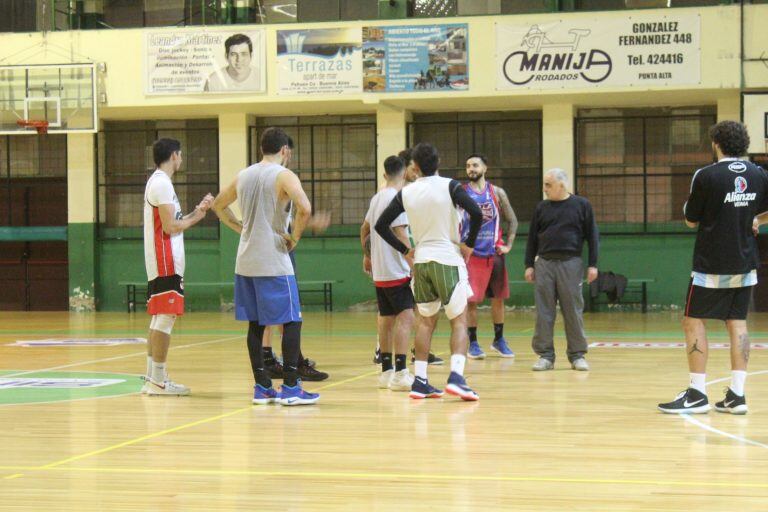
[{"x": 40, "y": 125}]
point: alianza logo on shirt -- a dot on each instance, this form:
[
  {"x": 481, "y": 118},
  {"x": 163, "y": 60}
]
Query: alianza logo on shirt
[{"x": 740, "y": 197}]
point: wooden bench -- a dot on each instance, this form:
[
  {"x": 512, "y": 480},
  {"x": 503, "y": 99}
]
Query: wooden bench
[
  {"x": 637, "y": 288},
  {"x": 324, "y": 287}
]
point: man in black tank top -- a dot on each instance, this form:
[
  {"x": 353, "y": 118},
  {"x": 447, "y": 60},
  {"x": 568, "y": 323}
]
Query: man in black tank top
[{"x": 727, "y": 203}]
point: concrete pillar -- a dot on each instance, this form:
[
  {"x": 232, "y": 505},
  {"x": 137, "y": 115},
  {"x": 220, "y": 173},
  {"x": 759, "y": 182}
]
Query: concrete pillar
[
  {"x": 558, "y": 139},
  {"x": 81, "y": 218},
  {"x": 391, "y": 130}
]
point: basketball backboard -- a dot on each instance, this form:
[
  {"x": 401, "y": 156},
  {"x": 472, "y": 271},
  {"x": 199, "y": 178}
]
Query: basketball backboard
[
  {"x": 64, "y": 95},
  {"x": 756, "y": 119}
]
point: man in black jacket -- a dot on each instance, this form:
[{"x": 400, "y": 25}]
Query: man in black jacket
[{"x": 559, "y": 227}]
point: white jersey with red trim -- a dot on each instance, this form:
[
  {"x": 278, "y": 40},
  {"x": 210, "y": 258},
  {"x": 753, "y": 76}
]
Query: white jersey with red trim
[{"x": 163, "y": 253}]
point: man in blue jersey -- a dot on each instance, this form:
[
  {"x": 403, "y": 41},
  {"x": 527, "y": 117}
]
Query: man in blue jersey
[{"x": 486, "y": 266}]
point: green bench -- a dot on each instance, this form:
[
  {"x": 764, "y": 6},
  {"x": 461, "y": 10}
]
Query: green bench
[
  {"x": 635, "y": 293},
  {"x": 320, "y": 287}
]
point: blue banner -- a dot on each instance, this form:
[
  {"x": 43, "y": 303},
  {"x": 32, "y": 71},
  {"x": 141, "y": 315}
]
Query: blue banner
[{"x": 416, "y": 58}]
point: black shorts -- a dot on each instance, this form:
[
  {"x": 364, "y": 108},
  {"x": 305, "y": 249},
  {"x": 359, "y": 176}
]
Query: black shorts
[
  {"x": 718, "y": 303},
  {"x": 393, "y": 301}
]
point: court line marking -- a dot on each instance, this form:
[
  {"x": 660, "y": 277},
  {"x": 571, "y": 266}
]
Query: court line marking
[
  {"x": 116, "y": 358},
  {"x": 173, "y": 429},
  {"x": 380, "y": 476},
  {"x": 709, "y": 428}
]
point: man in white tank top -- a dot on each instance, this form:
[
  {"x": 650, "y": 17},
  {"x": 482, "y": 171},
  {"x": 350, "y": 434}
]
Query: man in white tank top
[
  {"x": 164, "y": 226},
  {"x": 266, "y": 292},
  {"x": 440, "y": 273}
]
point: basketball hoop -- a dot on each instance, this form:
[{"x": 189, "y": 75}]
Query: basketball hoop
[{"x": 40, "y": 126}]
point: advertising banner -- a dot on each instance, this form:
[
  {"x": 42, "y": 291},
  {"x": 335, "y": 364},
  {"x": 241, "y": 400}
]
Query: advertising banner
[
  {"x": 208, "y": 61},
  {"x": 415, "y": 58},
  {"x": 319, "y": 61},
  {"x": 637, "y": 51}
]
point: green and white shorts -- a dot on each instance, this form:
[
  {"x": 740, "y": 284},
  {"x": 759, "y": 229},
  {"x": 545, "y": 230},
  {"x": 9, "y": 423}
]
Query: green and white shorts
[{"x": 435, "y": 285}]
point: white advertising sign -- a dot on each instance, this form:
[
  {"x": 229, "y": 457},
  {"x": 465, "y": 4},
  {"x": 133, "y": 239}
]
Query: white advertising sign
[
  {"x": 209, "y": 61},
  {"x": 637, "y": 51}
]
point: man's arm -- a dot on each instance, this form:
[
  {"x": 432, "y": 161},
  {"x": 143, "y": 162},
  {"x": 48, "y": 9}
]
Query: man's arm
[
  {"x": 593, "y": 241},
  {"x": 508, "y": 217},
  {"x": 532, "y": 247},
  {"x": 365, "y": 243},
  {"x": 290, "y": 185},
  {"x": 694, "y": 206},
  {"x": 461, "y": 199},
  {"x": 172, "y": 225},
  {"x": 386, "y": 219},
  {"x": 221, "y": 207}
]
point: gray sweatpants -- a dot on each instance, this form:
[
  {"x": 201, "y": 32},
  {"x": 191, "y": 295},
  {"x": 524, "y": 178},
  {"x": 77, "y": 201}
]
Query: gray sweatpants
[{"x": 559, "y": 281}]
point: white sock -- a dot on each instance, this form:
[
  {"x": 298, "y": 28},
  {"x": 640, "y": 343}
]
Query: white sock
[
  {"x": 457, "y": 363},
  {"x": 158, "y": 372},
  {"x": 149, "y": 367},
  {"x": 420, "y": 367},
  {"x": 699, "y": 382},
  {"x": 738, "y": 378}
]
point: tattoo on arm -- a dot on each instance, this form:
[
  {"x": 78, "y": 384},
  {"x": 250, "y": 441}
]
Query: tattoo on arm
[
  {"x": 695, "y": 347},
  {"x": 744, "y": 346}
]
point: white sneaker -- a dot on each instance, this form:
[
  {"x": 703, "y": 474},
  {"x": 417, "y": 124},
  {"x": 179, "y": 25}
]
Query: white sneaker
[
  {"x": 385, "y": 378},
  {"x": 145, "y": 387},
  {"x": 401, "y": 381},
  {"x": 167, "y": 387},
  {"x": 543, "y": 365},
  {"x": 580, "y": 365}
]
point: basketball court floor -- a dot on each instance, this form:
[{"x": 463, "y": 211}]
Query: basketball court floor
[{"x": 558, "y": 440}]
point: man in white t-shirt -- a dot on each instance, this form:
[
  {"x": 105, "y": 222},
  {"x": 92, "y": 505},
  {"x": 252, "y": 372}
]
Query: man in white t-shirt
[
  {"x": 440, "y": 273},
  {"x": 392, "y": 276},
  {"x": 164, "y": 225},
  {"x": 238, "y": 75}
]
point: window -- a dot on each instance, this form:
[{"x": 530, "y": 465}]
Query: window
[
  {"x": 33, "y": 180},
  {"x": 510, "y": 141},
  {"x": 125, "y": 163},
  {"x": 635, "y": 167},
  {"x": 335, "y": 158},
  {"x": 18, "y": 16}
]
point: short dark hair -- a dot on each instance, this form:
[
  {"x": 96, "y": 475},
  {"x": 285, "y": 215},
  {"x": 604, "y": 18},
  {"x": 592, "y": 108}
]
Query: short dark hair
[
  {"x": 731, "y": 136},
  {"x": 273, "y": 139},
  {"x": 406, "y": 155},
  {"x": 426, "y": 157},
  {"x": 237, "y": 39},
  {"x": 163, "y": 149},
  {"x": 393, "y": 166},
  {"x": 480, "y": 156}
]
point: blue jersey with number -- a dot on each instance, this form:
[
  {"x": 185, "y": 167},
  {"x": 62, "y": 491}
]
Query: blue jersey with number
[{"x": 490, "y": 230}]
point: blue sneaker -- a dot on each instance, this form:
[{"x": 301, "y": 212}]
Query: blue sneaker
[
  {"x": 296, "y": 396},
  {"x": 500, "y": 346},
  {"x": 475, "y": 352},
  {"x": 422, "y": 389},
  {"x": 263, "y": 396},
  {"x": 457, "y": 386}
]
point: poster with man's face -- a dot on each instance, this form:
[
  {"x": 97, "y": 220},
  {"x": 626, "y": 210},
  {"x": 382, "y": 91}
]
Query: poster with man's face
[{"x": 211, "y": 61}]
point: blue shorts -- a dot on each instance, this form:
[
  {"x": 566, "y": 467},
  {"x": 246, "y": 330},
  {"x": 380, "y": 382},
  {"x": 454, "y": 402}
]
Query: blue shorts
[{"x": 267, "y": 300}]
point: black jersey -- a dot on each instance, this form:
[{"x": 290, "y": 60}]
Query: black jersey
[{"x": 725, "y": 198}]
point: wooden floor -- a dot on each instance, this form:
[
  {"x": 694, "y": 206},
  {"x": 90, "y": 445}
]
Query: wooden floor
[{"x": 559, "y": 440}]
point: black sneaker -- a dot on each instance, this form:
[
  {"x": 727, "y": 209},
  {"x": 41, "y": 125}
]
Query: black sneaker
[
  {"x": 309, "y": 373},
  {"x": 690, "y": 401},
  {"x": 431, "y": 358},
  {"x": 377, "y": 356},
  {"x": 274, "y": 368},
  {"x": 733, "y": 403}
]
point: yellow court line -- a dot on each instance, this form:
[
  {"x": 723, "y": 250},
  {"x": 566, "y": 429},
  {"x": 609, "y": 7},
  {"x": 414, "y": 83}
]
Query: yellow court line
[
  {"x": 171, "y": 430},
  {"x": 397, "y": 476}
]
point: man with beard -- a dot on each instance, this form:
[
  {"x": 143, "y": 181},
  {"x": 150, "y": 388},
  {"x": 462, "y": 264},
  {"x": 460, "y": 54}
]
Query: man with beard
[{"x": 486, "y": 266}]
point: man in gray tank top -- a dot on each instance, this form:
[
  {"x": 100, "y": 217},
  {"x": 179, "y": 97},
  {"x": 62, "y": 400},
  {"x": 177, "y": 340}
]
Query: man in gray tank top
[{"x": 266, "y": 292}]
